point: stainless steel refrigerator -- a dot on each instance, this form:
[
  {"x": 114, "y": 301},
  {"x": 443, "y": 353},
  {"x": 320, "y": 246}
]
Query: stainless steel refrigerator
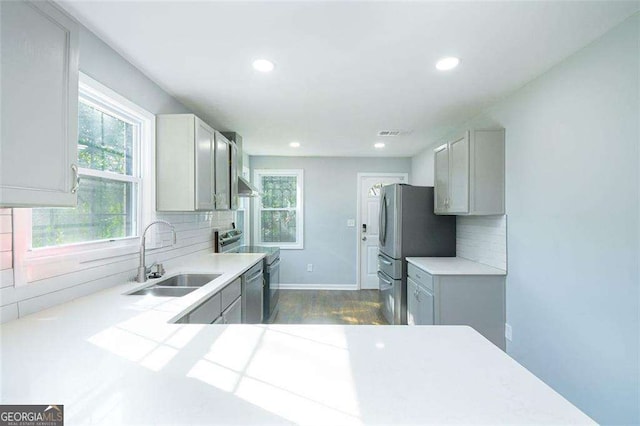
[{"x": 408, "y": 227}]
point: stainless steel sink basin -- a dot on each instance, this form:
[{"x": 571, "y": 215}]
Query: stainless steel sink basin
[
  {"x": 176, "y": 286},
  {"x": 187, "y": 280},
  {"x": 164, "y": 291}
]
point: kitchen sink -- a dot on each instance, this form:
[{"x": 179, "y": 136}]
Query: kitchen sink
[
  {"x": 187, "y": 280},
  {"x": 164, "y": 291},
  {"x": 176, "y": 286}
]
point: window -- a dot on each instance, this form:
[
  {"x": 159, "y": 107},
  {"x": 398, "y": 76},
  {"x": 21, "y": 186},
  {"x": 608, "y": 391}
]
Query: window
[
  {"x": 279, "y": 213},
  {"x": 115, "y": 153},
  {"x": 109, "y": 169}
]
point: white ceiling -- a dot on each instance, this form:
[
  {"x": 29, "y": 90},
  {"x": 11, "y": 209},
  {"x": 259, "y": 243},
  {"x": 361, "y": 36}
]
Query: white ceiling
[{"x": 344, "y": 70}]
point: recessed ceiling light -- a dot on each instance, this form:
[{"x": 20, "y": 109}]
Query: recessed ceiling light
[
  {"x": 294, "y": 144},
  {"x": 446, "y": 64},
  {"x": 263, "y": 65},
  {"x": 378, "y": 145}
]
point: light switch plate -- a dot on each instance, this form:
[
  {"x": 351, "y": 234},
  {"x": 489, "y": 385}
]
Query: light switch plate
[
  {"x": 351, "y": 223},
  {"x": 508, "y": 333}
]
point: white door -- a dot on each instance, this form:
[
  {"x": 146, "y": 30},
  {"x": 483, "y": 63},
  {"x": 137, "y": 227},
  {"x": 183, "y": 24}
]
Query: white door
[{"x": 369, "y": 185}]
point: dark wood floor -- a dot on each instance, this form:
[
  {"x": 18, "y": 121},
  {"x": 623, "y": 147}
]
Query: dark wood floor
[{"x": 329, "y": 307}]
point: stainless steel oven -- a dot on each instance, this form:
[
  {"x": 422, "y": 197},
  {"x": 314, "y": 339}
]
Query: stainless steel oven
[{"x": 229, "y": 242}]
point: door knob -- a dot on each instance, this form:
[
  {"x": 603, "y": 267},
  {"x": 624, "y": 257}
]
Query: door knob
[{"x": 364, "y": 238}]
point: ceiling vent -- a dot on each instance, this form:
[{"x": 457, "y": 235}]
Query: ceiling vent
[{"x": 392, "y": 133}]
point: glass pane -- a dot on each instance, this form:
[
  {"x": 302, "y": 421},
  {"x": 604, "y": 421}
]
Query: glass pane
[
  {"x": 374, "y": 191},
  {"x": 104, "y": 142},
  {"x": 278, "y": 226},
  {"x": 279, "y": 191},
  {"x": 105, "y": 211}
]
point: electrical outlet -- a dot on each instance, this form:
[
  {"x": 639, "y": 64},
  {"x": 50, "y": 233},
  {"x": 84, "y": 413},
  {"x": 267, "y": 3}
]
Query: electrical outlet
[
  {"x": 508, "y": 333},
  {"x": 310, "y": 267},
  {"x": 351, "y": 223}
]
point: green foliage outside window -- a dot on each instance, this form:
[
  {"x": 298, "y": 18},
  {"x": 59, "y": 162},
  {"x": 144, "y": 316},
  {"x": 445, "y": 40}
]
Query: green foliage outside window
[{"x": 278, "y": 215}]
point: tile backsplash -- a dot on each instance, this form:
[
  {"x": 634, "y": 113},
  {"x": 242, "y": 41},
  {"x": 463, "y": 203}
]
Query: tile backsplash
[
  {"x": 194, "y": 235},
  {"x": 483, "y": 239}
]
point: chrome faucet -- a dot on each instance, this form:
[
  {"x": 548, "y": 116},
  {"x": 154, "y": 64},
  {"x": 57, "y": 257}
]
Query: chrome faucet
[{"x": 142, "y": 269}]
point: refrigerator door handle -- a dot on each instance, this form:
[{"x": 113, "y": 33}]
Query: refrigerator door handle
[
  {"x": 383, "y": 220},
  {"x": 383, "y": 260},
  {"x": 383, "y": 279}
]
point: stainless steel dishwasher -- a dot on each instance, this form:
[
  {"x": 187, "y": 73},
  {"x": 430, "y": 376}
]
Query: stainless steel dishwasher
[{"x": 252, "y": 294}]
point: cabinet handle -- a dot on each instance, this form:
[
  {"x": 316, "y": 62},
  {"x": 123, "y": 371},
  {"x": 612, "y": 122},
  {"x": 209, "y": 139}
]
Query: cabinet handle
[{"x": 76, "y": 179}]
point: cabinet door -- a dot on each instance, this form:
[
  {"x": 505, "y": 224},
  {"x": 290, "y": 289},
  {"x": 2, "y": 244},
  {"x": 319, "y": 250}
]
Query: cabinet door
[
  {"x": 425, "y": 307},
  {"x": 459, "y": 175},
  {"x": 233, "y": 314},
  {"x": 223, "y": 187},
  {"x": 207, "y": 312},
  {"x": 412, "y": 302},
  {"x": 204, "y": 166},
  {"x": 441, "y": 179},
  {"x": 234, "y": 176},
  {"x": 39, "y": 97}
]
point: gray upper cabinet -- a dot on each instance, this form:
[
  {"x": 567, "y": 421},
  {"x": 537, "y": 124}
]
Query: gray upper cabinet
[
  {"x": 39, "y": 97},
  {"x": 470, "y": 174},
  {"x": 185, "y": 163},
  {"x": 441, "y": 187},
  {"x": 234, "y": 176},
  {"x": 222, "y": 173}
]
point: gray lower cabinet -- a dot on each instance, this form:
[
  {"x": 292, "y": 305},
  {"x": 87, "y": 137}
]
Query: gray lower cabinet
[
  {"x": 224, "y": 307},
  {"x": 205, "y": 313},
  {"x": 474, "y": 300},
  {"x": 233, "y": 314},
  {"x": 419, "y": 304}
]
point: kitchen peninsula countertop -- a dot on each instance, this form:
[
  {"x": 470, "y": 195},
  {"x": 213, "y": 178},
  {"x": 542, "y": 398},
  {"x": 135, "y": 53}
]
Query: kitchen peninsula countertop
[
  {"x": 115, "y": 359},
  {"x": 453, "y": 266}
]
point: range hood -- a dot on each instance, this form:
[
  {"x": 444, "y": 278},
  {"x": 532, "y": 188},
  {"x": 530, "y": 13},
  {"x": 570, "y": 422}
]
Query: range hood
[{"x": 245, "y": 189}]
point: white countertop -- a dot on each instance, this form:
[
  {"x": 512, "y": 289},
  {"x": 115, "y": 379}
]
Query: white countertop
[
  {"x": 453, "y": 266},
  {"x": 113, "y": 359}
]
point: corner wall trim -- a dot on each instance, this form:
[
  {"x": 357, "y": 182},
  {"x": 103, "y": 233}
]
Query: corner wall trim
[{"x": 318, "y": 286}]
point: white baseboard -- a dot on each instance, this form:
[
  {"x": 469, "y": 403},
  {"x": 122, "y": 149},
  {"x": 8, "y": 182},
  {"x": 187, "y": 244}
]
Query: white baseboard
[{"x": 318, "y": 286}]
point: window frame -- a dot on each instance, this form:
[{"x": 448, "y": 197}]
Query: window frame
[
  {"x": 40, "y": 263},
  {"x": 299, "y": 209}
]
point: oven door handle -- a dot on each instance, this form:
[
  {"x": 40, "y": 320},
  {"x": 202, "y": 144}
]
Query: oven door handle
[
  {"x": 274, "y": 265},
  {"x": 226, "y": 241}
]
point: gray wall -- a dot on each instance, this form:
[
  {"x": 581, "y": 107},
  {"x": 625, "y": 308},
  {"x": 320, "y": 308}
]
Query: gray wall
[
  {"x": 102, "y": 63},
  {"x": 572, "y": 163},
  {"x": 330, "y": 198},
  {"x": 422, "y": 168}
]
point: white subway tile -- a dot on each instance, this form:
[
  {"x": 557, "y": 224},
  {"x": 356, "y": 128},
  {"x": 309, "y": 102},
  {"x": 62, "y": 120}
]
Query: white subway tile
[
  {"x": 8, "y": 313},
  {"x": 6, "y": 260},
  {"x": 6, "y": 242},
  {"x": 482, "y": 239},
  {"x": 5, "y": 224},
  {"x": 6, "y": 279}
]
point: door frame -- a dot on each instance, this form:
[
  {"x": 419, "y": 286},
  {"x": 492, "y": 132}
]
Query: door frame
[{"x": 359, "y": 177}]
